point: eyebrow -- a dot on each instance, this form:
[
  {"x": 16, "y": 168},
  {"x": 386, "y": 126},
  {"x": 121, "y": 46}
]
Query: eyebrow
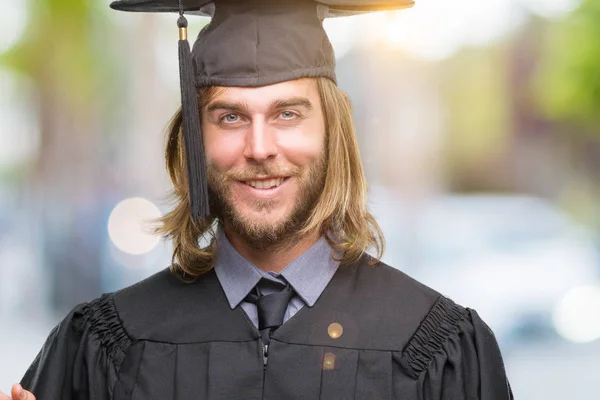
[
  {"x": 223, "y": 105},
  {"x": 243, "y": 107},
  {"x": 292, "y": 102}
]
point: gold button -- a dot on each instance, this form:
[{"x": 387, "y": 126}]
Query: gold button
[
  {"x": 329, "y": 361},
  {"x": 335, "y": 330}
]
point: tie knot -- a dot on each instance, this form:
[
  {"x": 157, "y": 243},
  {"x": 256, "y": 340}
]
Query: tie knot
[
  {"x": 266, "y": 286},
  {"x": 271, "y": 302}
]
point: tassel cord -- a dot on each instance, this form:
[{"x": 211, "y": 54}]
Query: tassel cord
[{"x": 194, "y": 146}]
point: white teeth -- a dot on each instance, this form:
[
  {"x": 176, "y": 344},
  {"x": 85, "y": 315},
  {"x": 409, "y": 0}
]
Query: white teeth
[{"x": 265, "y": 184}]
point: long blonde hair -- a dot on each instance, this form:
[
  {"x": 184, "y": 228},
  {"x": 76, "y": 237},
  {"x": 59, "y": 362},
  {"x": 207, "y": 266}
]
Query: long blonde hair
[{"x": 340, "y": 212}]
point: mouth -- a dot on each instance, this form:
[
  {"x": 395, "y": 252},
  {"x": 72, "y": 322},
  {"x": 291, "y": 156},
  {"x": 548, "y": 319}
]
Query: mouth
[{"x": 265, "y": 183}]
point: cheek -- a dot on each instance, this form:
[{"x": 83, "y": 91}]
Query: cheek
[
  {"x": 303, "y": 148},
  {"x": 222, "y": 151}
]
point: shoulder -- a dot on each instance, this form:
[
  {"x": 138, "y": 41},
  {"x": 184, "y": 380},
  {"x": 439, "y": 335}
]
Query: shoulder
[
  {"x": 391, "y": 310},
  {"x": 375, "y": 274},
  {"x": 444, "y": 322},
  {"x": 163, "y": 308},
  {"x": 167, "y": 309},
  {"x": 152, "y": 300},
  {"x": 113, "y": 317},
  {"x": 439, "y": 328},
  {"x": 375, "y": 282},
  {"x": 95, "y": 326},
  {"x": 93, "y": 342},
  {"x": 147, "y": 291}
]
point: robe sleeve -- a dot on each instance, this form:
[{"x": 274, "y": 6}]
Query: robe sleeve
[
  {"x": 455, "y": 355},
  {"x": 81, "y": 357}
]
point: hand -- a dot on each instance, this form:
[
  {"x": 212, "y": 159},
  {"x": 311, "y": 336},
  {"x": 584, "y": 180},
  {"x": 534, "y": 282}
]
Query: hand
[{"x": 18, "y": 393}]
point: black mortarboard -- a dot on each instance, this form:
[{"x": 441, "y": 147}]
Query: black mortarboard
[{"x": 248, "y": 43}]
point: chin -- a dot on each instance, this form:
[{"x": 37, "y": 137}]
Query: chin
[
  {"x": 265, "y": 219},
  {"x": 254, "y": 210}
]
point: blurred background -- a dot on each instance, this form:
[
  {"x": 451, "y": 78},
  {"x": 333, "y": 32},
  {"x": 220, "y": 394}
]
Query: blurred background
[{"x": 479, "y": 126}]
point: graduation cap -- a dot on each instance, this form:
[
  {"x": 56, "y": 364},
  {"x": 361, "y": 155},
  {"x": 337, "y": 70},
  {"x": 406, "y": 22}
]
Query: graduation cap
[{"x": 248, "y": 43}]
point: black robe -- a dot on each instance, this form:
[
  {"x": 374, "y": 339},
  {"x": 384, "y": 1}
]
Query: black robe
[{"x": 164, "y": 339}]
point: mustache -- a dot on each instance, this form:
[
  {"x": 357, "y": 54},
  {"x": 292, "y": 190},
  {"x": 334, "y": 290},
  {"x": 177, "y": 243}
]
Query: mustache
[{"x": 255, "y": 171}]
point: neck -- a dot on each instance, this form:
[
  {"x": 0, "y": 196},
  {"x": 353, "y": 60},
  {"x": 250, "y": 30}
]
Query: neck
[{"x": 272, "y": 258}]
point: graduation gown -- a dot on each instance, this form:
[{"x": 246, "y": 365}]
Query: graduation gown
[{"x": 169, "y": 340}]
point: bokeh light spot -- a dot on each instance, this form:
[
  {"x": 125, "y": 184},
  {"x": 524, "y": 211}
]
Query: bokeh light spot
[
  {"x": 13, "y": 21},
  {"x": 126, "y": 226},
  {"x": 329, "y": 361},
  {"x": 577, "y": 315},
  {"x": 335, "y": 330}
]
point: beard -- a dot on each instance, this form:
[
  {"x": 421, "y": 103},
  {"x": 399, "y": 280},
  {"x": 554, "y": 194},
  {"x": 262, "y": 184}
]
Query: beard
[{"x": 263, "y": 232}]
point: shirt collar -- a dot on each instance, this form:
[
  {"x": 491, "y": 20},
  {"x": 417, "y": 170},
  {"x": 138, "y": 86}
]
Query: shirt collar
[{"x": 308, "y": 274}]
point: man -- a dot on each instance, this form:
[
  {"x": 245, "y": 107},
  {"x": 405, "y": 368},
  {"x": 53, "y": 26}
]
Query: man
[{"x": 284, "y": 303}]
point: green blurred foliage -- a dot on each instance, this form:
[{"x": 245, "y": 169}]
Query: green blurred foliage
[
  {"x": 568, "y": 83},
  {"x": 476, "y": 92},
  {"x": 61, "y": 50},
  {"x": 67, "y": 65}
]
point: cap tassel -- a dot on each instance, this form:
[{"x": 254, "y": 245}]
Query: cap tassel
[{"x": 192, "y": 130}]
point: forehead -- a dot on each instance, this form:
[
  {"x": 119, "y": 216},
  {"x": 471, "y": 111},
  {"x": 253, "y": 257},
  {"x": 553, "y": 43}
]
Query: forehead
[{"x": 264, "y": 96}]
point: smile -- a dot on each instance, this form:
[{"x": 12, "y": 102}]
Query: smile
[{"x": 265, "y": 183}]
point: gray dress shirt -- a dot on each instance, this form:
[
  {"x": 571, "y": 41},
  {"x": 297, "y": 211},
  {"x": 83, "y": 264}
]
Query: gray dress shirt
[{"x": 308, "y": 275}]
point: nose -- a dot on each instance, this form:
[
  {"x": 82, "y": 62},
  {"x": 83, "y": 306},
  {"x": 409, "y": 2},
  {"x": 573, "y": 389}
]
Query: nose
[{"x": 261, "y": 142}]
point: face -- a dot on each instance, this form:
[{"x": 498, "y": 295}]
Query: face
[{"x": 265, "y": 148}]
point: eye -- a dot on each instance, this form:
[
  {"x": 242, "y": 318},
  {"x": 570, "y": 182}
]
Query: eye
[
  {"x": 288, "y": 115},
  {"x": 230, "y": 118}
]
